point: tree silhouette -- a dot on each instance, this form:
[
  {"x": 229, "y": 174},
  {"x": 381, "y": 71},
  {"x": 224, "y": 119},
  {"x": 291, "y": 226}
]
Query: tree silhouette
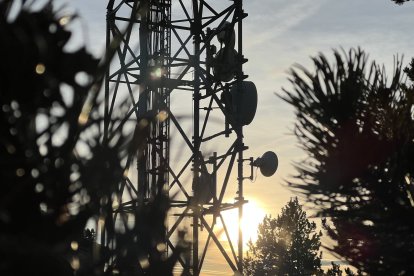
[
  {"x": 286, "y": 245},
  {"x": 56, "y": 171},
  {"x": 356, "y": 126},
  {"x": 336, "y": 270},
  {"x": 39, "y": 131}
]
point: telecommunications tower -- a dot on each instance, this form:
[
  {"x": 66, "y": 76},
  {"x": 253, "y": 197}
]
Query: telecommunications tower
[{"x": 179, "y": 66}]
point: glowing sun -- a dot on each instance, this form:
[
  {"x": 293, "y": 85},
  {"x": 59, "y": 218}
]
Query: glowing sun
[{"x": 253, "y": 214}]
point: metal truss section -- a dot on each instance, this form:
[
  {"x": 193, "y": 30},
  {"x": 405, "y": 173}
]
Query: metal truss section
[
  {"x": 142, "y": 56},
  {"x": 178, "y": 69}
]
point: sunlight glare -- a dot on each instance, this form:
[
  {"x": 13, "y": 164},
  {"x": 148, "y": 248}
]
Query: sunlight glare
[{"x": 253, "y": 215}]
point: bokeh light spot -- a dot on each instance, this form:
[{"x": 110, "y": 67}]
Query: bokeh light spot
[
  {"x": 40, "y": 69},
  {"x": 74, "y": 245}
]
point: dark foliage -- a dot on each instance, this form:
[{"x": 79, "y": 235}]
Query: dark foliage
[
  {"x": 38, "y": 134},
  {"x": 56, "y": 170},
  {"x": 357, "y": 128},
  {"x": 336, "y": 270},
  {"x": 400, "y": 2},
  {"x": 286, "y": 245}
]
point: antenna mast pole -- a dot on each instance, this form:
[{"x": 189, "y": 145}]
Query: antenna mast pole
[
  {"x": 196, "y": 33},
  {"x": 240, "y": 145}
]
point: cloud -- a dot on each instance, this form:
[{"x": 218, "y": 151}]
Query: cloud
[{"x": 270, "y": 19}]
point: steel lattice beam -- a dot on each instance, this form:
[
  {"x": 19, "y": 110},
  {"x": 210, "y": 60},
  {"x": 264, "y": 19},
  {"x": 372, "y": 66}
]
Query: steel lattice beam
[{"x": 164, "y": 50}]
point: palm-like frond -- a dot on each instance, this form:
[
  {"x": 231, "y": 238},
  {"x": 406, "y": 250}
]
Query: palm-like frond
[{"x": 357, "y": 128}]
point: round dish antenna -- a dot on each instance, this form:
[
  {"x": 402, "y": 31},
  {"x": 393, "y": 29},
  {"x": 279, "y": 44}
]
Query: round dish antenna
[
  {"x": 204, "y": 187},
  {"x": 244, "y": 102},
  {"x": 267, "y": 164},
  {"x": 225, "y": 64},
  {"x": 226, "y": 34}
]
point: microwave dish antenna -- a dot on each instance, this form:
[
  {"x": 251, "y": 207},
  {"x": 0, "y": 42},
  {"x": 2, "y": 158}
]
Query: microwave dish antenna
[
  {"x": 226, "y": 35},
  {"x": 267, "y": 164}
]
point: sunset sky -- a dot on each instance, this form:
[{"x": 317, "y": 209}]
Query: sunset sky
[{"x": 277, "y": 35}]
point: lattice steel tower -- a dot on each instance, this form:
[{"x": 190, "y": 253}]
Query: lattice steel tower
[{"x": 188, "y": 52}]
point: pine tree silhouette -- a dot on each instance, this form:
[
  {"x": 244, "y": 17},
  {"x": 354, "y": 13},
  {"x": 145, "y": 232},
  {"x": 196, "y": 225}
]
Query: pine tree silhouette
[{"x": 356, "y": 126}]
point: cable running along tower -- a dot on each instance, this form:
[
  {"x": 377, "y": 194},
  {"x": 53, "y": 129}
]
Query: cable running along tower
[{"x": 179, "y": 66}]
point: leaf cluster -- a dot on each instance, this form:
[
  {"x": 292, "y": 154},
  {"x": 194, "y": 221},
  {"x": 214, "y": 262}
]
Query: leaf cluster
[
  {"x": 357, "y": 127},
  {"x": 400, "y": 2}
]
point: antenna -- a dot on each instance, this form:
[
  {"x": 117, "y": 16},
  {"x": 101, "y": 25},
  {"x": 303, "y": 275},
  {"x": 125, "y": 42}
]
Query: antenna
[
  {"x": 164, "y": 42},
  {"x": 267, "y": 164}
]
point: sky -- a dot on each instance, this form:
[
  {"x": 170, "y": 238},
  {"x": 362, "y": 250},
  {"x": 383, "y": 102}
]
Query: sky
[
  {"x": 285, "y": 33},
  {"x": 277, "y": 35}
]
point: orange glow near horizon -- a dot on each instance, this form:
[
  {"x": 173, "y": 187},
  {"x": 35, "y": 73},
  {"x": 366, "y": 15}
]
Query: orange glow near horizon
[{"x": 253, "y": 215}]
